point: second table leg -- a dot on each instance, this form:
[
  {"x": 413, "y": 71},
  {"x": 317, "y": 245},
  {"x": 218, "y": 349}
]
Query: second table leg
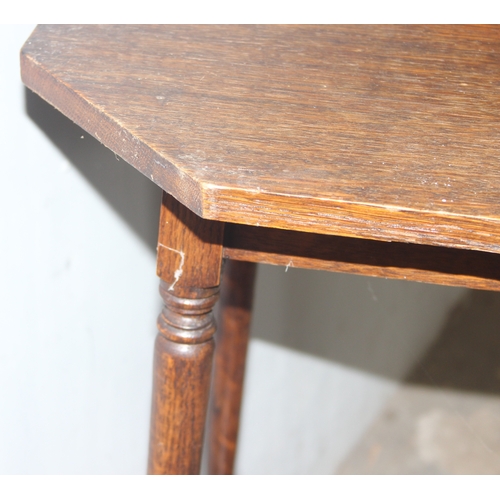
[{"x": 233, "y": 328}]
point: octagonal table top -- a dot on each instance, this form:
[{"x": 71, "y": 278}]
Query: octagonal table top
[{"x": 381, "y": 132}]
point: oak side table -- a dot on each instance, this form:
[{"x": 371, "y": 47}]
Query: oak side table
[{"x": 363, "y": 149}]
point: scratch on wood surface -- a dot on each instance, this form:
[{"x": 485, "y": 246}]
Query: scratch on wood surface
[
  {"x": 178, "y": 272},
  {"x": 288, "y": 265}
]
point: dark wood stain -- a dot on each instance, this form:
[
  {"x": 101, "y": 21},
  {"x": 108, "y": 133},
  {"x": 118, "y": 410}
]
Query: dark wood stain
[
  {"x": 429, "y": 264},
  {"x": 384, "y": 132},
  {"x": 189, "y": 262}
]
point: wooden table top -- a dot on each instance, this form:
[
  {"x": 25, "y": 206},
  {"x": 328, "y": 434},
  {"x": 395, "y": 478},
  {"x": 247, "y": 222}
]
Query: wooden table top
[{"x": 381, "y": 132}]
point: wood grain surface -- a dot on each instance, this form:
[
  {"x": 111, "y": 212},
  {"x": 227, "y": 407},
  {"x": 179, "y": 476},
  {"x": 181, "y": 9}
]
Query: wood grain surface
[
  {"x": 382, "y": 132},
  {"x": 189, "y": 263},
  {"x": 181, "y": 384},
  {"x": 406, "y": 261}
]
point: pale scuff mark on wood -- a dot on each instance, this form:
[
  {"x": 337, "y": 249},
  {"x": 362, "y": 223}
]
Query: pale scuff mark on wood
[{"x": 178, "y": 272}]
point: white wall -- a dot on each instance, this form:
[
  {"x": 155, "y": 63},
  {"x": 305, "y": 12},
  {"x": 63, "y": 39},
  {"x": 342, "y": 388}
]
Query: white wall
[
  {"x": 79, "y": 300},
  {"x": 78, "y": 295}
]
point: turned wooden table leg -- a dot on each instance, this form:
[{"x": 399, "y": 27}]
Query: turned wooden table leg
[
  {"x": 233, "y": 325},
  {"x": 189, "y": 263}
]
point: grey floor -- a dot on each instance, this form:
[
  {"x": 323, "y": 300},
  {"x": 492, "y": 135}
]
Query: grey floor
[{"x": 446, "y": 417}]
